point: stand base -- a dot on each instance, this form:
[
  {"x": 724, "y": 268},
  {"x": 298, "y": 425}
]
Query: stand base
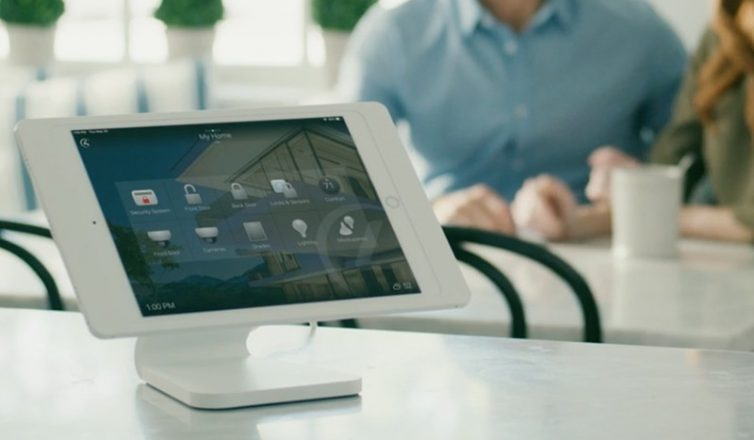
[
  {"x": 247, "y": 382},
  {"x": 228, "y": 377}
]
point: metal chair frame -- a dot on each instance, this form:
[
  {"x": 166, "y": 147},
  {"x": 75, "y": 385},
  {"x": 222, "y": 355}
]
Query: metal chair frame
[
  {"x": 54, "y": 300},
  {"x": 539, "y": 254}
]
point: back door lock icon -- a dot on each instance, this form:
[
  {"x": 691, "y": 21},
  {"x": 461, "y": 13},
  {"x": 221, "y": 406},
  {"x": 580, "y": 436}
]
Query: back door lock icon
[{"x": 144, "y": 197}]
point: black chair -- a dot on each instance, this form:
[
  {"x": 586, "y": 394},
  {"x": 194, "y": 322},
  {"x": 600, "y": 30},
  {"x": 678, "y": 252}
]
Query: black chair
[
  {"x": 503, "y": 284},
  {"x": 54, "y": 299},
  {"x": 458, "y": 236},
  {"x": 513, "y": 299}
]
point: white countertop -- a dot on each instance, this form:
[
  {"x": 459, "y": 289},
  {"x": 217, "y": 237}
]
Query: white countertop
[
  {"x": 703, "y": 299},
  {"x": 60, "y": 382}
]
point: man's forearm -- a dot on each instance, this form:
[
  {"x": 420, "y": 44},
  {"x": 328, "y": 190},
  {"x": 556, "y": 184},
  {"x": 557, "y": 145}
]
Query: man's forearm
[{"x": 589, "y": 221}]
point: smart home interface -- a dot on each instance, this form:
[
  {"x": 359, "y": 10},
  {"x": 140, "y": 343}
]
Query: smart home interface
[{"x": 251, "y": 214}]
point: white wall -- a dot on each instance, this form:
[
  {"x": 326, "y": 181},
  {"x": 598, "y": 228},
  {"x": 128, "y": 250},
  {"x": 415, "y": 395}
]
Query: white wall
[{"x": 688, "y": 17}]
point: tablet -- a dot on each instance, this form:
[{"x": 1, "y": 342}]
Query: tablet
[{"x": 238, "y": 217}]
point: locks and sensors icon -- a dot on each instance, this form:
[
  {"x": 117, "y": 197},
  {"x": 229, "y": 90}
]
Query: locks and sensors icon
[
  {"x": 238, "y": 192},
  {"x": 192, "y": 197}
]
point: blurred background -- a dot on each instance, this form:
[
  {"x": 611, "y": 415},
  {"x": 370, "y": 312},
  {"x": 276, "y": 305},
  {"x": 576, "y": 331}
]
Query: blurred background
[{"x": 117, "y": 56}]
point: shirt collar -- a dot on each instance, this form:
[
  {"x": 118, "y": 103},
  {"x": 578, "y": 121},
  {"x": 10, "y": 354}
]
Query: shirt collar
[{"x": 472, "y": 14}]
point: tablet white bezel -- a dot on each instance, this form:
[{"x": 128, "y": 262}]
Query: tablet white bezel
[{"x": 93, "y": 263}]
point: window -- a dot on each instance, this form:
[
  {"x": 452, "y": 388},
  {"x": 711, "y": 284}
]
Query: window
[
  {"x": 253, "y": 33},
  {"x": 84, "y": 19}
]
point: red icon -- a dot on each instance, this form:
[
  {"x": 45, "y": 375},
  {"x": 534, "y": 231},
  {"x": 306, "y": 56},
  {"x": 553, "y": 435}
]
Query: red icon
[{"x": 144, "y": 197}]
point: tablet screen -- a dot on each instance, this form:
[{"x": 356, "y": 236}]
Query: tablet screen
[{"x": 251, "y": 214}]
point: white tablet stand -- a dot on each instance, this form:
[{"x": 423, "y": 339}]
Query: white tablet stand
[{"x": 212, "y": 369}]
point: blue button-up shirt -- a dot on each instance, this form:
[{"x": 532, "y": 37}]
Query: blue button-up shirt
[{"x": 486, "y": 104}]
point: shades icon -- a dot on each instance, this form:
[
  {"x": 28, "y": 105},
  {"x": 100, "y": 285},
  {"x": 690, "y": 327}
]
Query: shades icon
[{"x": 255, "y": 231}]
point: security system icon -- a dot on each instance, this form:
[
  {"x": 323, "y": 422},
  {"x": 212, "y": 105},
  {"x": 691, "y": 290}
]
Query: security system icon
[
  {"x": 300, "y": 226},
  {"x": 281, "y": 186},
  {"x": 144, "y": 197},
  {"x": 192, "y": 197},
  {"x": 161, "y": 238},
  {"x": 238, "y": 192},
  {"x": 346, "y": 226}
]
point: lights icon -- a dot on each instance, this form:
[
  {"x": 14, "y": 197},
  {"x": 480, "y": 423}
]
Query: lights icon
[{"x": 300, "y": 226}]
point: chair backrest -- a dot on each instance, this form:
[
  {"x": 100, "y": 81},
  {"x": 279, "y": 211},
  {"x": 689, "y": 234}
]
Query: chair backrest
[
  {"x": 503, "y": 284},
  {"x": 54, "y": 299},
  {"x": 457, "y": 236},
  {"x": 518, "y": 327}
]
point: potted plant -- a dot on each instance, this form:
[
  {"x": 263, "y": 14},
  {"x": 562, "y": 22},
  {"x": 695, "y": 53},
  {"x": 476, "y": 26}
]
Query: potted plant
[
  {"x": 31, "y": 29},
  {"x": 190, "y": 25},
  {"x": 337, "y": 18}
]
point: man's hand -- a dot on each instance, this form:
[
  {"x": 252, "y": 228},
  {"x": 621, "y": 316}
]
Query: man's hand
[
  {"x": 603, "y": 161},
  {"x": 476, "y": 207},
  {"x": 545, "y": 205}
]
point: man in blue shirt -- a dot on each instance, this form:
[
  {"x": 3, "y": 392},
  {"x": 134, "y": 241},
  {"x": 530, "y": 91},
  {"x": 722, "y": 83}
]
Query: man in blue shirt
[{"x": 496, "y": 91}]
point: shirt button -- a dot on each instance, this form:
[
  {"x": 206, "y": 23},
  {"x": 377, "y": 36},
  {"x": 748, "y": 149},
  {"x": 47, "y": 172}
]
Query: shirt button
[
  {"x": 510, "y": 47},
  {"x": 522, "y": 112}
]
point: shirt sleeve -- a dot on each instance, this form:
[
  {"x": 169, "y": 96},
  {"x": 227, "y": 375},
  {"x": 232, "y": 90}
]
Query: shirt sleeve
[
  {"x": 685, "y": 132},
  {"x": 667, "y": 63},
  {"x": 373, "y": 63}
]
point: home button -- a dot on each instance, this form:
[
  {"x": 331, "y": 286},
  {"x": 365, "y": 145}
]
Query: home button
[{"x": 392, "y": 202}]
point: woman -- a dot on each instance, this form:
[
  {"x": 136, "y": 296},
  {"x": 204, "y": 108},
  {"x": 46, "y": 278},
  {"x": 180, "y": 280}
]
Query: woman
[{"x": 713, "y": 119}]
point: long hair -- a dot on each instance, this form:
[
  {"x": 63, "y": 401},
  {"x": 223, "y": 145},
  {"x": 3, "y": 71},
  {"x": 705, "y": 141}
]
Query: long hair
[{"x": 732, "y": 62}]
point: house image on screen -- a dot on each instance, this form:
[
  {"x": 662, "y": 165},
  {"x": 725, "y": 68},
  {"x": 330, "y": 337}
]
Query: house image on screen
[{"x": 301, "y": 153}]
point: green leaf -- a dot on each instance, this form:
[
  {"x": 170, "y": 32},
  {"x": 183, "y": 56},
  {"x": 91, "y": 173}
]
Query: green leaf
[
  {"x": 339, "y": 15},
  {"x": 31, "y": 12},
  {"x": 190, "y": 13}
]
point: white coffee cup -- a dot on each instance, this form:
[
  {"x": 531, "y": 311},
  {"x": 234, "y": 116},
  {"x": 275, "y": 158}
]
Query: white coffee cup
[{"x": 646, "y": 204}]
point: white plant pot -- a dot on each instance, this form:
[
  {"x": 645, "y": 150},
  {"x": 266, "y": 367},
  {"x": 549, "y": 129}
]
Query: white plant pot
[
  {"x": 31, "y": 45},
  {"x": 190, "y": 42},
  {"x": 335, "y": 47}
]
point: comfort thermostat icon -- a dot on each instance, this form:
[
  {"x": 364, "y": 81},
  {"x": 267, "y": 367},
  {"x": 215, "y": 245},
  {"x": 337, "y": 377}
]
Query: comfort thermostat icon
[{"x": 144, "y": 197}]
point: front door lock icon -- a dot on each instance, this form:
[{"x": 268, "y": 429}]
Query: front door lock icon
[
  {"x": 238, "y": 192},
  {"x": 192, "y": 197}
]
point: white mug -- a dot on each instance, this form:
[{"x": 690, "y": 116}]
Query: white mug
[{"x": 646, "y": 204}]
